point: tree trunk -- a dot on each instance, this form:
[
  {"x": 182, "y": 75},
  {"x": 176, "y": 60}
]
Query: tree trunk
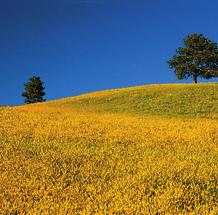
[{"x": 195, "y": 79}]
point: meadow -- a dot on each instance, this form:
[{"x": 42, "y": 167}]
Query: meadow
[{"x": 142, "y": 150}]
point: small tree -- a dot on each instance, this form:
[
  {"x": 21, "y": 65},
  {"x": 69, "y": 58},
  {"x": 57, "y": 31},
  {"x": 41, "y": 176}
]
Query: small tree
[
  {"x": 199, "y": 58},
  {"x": 34, "y": 91}
]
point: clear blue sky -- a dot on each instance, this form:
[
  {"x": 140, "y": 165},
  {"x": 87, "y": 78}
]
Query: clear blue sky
[{"x": 78, "y": 46}]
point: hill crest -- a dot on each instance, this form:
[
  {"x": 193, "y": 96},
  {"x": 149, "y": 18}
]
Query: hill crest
[{"x": 157, "y": 99}]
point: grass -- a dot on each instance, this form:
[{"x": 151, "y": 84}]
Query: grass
[
  {"x": 112, "y": 152},
  {"x": 166, "y": 100}
]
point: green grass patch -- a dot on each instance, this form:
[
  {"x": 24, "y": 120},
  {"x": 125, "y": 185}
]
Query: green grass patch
[{"x": 199, "y": 100}]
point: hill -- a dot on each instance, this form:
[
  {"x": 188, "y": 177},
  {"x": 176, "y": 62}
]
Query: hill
[
  {"x": 199, "y": 100},
  {"x": 141, "y": 150}
]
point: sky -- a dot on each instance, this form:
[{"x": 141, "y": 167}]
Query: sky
[{"x": 80, "y": 46}]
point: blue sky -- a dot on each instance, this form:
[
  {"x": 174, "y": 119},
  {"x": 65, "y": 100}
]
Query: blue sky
[{"x": 78, "y": 46}]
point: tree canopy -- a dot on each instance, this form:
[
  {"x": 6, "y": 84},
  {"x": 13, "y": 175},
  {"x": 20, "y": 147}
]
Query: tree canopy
[
  {"x": 34, "y": 91},
  {"x": 198, "y": 58}
]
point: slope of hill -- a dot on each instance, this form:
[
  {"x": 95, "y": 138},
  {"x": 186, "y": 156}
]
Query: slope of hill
[
  {"x": 112, "y": 152},
  {"x": 168, "y": 100}
]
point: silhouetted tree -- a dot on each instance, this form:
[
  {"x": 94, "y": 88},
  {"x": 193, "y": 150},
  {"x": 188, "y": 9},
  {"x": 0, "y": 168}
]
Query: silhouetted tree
[
  {"x": 34, "y": 91},
  {"x": 199, "y": 58}
]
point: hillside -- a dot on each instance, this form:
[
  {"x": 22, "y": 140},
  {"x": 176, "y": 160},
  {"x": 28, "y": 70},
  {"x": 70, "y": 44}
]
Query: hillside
[
  {"x": 141, "y": 150},
  {"x": 168, "y": 100}
]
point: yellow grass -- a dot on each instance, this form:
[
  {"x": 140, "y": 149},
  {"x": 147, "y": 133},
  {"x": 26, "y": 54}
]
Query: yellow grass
[{"x": 60, "y": 160}]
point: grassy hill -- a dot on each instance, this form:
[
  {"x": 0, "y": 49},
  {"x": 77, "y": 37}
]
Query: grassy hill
[
  {"x": 142, "y": 150},
  {"x": 167, "y": 100}
]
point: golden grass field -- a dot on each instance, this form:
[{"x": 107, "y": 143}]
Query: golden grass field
[{"x": 71, "y": 159}]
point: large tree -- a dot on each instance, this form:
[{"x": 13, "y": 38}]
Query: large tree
[
  {"x": 34, "y": 91},
  {"x": 198, "y": 58}
]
